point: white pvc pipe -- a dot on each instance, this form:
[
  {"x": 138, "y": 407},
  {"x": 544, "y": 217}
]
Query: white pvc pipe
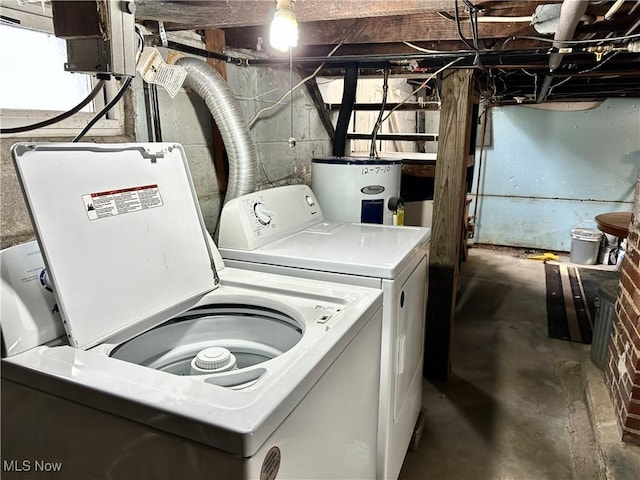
[
  {"x": 570, "y": 14},
  {"x": 504, "y": 19},
  {"x": 614, "y": 8}
]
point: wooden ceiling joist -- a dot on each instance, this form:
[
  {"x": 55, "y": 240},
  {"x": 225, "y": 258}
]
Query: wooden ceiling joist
[
  {"x": 205, "y": 14},
  {"x": 396, "y": 28}
]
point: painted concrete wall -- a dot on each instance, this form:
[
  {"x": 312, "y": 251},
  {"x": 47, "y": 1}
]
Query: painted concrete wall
[
  {"x": 547, "y": 171},
  {"x": 260, "y": 87}
]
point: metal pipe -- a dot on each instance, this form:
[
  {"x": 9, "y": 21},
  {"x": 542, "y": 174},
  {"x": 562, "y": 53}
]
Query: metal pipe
[
  {"x": 544, "y": 89},
  {"x": 570, "y": 14},
  {"x": 224, "y": 108},
  {"x": 181, "y": 47},
  {"x": 371, "y": 61}
]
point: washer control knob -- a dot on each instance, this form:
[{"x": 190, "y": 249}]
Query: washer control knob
[
  {"x": 213, "y": 360},
  {"x": 262, "y": 214},
  {"x": 310, "y": 201},
  {"x": 44, "y": 280}
]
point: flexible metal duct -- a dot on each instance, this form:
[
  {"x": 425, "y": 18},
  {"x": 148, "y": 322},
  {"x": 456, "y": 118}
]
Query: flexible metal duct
[{"x": 224, "y": 108}]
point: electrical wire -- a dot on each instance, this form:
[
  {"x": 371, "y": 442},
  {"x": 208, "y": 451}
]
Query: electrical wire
[
  {"x": 373, "y": 152},
  {"x": 612, "y": 55},
  {"x": 535, "y": 82},
  {"x": 291, "y": 90},
  {"x": 57, "y": 118},
  {"x": 481, "y": 153},
  {"x": 117, "y": 96},
  {"x": 421, "y": 86},
  {"x": 473, "y": 16},
  {"x": 557, "y": 85},
  {"x": 457, "y": 18},
  {"x": 106, "y": 108},
  {"x": 490, "y": 19},
  {"x": 424, "y": 50},
  {"x": 291, "y": 137},
  {"x": 473, "y": 21}
]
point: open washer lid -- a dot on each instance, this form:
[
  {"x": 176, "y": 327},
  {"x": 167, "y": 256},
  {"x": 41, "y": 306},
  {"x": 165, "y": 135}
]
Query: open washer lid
[{"x": 120, "y": 231}]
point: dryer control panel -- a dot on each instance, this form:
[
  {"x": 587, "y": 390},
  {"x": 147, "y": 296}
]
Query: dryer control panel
[{"x": 256, "y": 219}]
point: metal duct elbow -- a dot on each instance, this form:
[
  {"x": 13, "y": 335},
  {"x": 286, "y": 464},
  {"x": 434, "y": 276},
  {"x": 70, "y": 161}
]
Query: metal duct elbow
[
  {"x": 570, "y": 14},
  {"x": 225, "y": 110}
]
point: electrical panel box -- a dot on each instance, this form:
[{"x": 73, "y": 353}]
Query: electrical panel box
[{"x": 100, "y": 35}]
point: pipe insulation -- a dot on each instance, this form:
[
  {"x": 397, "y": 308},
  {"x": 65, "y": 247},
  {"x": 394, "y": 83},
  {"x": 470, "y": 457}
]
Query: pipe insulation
[
  {"x": 225, "y": 110},
  {"x": 570, "y": 14}
]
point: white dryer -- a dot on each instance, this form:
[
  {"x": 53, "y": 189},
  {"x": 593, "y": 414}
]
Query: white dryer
[
  {"x": 282, "y": 230},
  {"x": 173, "y": 366}
]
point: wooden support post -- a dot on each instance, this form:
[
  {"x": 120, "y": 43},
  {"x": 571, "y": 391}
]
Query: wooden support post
[
  {"x": 215, "y": 41},
  {"x": 448, "y": 207}
]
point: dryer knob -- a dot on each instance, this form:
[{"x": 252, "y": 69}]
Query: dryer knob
[{"x": 262, "y": 214}]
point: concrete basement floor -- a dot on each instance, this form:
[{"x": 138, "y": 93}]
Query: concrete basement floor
[{"x": 518, "y": 405}]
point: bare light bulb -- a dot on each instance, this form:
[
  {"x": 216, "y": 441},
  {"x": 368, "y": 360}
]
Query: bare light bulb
[{"x": 284, "y": 27}]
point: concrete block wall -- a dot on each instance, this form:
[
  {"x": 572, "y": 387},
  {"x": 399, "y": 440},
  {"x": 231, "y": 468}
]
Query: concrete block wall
[
  {"x": 622, "y": 372},
  {"x": 257, "y": 88},
  {"x": 185, "y": 119},
  {"x": 15, "y": 222}
]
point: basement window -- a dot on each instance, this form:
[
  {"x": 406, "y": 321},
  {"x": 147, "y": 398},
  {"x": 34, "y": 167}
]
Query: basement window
[{"x": 33, "y": 83}]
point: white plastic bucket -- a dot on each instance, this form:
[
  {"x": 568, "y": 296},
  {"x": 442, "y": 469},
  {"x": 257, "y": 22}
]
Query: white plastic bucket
[{"x": 585, "y": 244}]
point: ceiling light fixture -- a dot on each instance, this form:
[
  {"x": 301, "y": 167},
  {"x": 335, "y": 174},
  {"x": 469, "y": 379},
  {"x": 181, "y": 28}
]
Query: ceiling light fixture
[{"x": 284, "y": 27}]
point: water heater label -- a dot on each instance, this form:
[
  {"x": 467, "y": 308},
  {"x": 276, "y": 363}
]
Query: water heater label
[
  {"x": 125, "y": 200},
  {"x": 372, "y": 189}
]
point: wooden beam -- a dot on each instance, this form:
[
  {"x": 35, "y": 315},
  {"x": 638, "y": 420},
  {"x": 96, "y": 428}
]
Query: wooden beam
[
  {"x": 323, "y": 111},
  {"x": 428, "y": 26},
  {"x": 424, "y": 169},
  {"x": 205, "y": 14},
  {"x": 215, "y": 42},
  {"x": 448, "y": 207}
]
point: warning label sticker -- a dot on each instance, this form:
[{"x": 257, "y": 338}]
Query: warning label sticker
[{"x": 125, "y": 200}]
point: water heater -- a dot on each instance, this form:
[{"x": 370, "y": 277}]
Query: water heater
[{"x": 358, "y": 190}]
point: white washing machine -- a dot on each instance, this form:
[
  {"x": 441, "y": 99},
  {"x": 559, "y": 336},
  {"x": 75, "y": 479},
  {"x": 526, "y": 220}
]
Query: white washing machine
[
  {"x": 282, "y": 230},
  {"x": 173, "y": 365}
]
